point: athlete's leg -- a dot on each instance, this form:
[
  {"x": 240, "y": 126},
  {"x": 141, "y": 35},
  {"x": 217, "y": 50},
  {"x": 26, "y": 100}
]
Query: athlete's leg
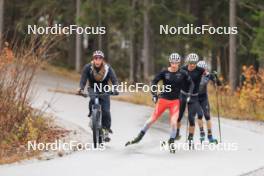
[
  {"x": 193, "y": 107},
  {"x": 183, "y": 102},
  {"x": 200, "y": 115},
  {"x": 106, "y": 115},
  {"x": 161, "y": 105},
  {"x": 159, "y": 109},
  {"x": 206, "y": 110},
  {"x": 174, "y": 114},
  {"x": 200, "y": 118}
]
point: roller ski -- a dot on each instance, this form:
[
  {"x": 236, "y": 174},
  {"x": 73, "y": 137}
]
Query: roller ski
[
  {"x": 169, "y": 144},
  {"x": 136, "y": 140},
  {"x": 190, "y": 143},
  {"x": 212, "y": 140},
  {"x": 202, "y": 137}
]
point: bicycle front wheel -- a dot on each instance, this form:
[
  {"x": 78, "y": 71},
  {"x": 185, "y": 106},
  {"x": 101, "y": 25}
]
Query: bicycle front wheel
[{"x": 95, "y": 128}]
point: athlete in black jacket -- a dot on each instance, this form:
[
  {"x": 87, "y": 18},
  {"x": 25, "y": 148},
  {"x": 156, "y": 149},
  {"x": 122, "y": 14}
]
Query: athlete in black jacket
[
  {"x": 196, "y": 74},
  {"x": 174, "y": 78},
  {"x": 204, "y": 109}
]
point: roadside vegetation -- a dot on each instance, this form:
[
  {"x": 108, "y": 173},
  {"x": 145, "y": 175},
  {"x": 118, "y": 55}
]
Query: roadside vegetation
[{"x": 19, "y": 122}]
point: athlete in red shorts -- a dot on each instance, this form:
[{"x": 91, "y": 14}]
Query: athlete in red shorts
[{"x": 173, "y": 79}]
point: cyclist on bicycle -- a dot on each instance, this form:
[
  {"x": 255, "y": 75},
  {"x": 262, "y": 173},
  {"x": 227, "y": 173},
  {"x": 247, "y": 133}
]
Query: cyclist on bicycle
[{"x": 98, "y": 73}]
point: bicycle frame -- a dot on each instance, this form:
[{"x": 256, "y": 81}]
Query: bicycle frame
[{"x": 98, "y": 134}]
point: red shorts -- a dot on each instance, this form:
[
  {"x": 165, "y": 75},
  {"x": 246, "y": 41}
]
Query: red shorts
[{"x": 162, "y": 105}]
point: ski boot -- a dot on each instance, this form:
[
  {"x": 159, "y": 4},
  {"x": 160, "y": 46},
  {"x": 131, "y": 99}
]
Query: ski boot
[
  {"x": 137, "y": 139},
  {"x": 190, "y": 142},
  {"x": 178, "y": 136},
  {"x": 202, "y": 137},
  {"x": 171, "y": 145},
  {"x": 212, "y": 140}
]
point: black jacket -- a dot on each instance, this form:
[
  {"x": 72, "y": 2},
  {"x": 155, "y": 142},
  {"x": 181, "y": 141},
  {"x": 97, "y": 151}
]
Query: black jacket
[{"x": 87, "y": 75}]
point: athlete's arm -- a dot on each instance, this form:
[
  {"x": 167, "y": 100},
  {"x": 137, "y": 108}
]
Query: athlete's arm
[
  {"x": 155, "y": 81},
  {"x": 214, "y": 78},
  {"x": 191, "y": 84},
  {"x": 113, "y": 79},
  {"x": 84, "y": 77},
  {"x": 113, "y": 76}
]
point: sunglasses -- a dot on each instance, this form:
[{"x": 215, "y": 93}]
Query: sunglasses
[
  {"x": 193, "y": 63},
  {"x": 97, "y": 57}
]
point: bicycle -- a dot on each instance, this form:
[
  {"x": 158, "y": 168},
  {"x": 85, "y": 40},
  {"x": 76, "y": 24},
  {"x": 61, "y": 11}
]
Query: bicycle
[{"x": 96, "y": 117}]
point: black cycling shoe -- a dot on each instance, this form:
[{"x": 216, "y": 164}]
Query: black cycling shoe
[
  {"x": 90, "y": 114},
  {"x": 106, "y": 136},
  {"x": 137, "y": 139}
]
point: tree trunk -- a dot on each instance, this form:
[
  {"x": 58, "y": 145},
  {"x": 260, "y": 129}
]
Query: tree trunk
[
  {"x": 100, "y": 45},
  {"x": 232, "y": 47},
  {"x": 1, "y": 21},
  {"x": 145, "y": 53},
  {"x": 131, "y": 46},
  {"x": 213, "y": 60},
  {"x": 78, "y": 40}
]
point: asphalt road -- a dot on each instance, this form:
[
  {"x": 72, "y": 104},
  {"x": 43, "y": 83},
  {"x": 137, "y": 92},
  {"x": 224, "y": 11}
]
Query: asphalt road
[{"x": 145, "y": 158}]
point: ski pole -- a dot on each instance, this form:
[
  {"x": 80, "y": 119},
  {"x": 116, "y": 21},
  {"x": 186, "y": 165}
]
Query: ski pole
[
  {"x": 187, "y": 128},
  {"x": 218, "y": 114}
]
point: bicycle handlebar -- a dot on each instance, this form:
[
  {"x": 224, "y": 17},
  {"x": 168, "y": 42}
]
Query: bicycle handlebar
[{"x": 96, "y": 94}]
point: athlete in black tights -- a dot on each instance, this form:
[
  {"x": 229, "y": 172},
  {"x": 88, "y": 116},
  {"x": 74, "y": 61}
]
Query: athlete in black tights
[
  {"x": 204, "y": 109},
  {"x": 196, "y": 74}
]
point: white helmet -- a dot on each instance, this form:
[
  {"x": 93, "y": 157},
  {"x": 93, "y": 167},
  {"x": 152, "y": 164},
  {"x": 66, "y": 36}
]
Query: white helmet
[
  {"x": 202, "y": 64},
  {"x": 175, "y": 57},
  {"x": 192, "y": 57},
  {"x": 98, "y": 53}
]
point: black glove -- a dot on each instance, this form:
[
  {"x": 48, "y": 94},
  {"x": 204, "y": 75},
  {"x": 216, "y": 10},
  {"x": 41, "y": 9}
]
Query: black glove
[
  {"x": 215, "y": 77},
  {"x": 155, "y": 98}
]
